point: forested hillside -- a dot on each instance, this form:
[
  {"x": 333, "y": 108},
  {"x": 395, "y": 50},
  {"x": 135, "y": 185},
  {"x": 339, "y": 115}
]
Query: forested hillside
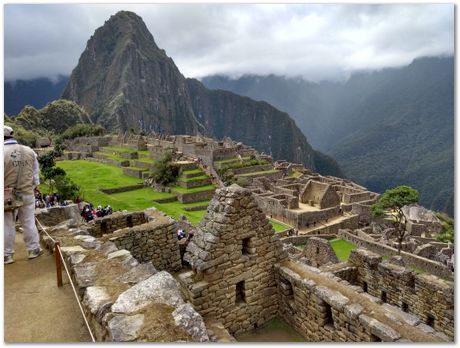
[{"x": 385, "y": 128}]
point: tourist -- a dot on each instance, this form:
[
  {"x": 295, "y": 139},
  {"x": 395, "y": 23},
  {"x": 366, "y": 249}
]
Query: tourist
[
  {"x": 190, "y": 236},
  {"x": 180, "y": 234},
  {"x": 21, "y": 171}
]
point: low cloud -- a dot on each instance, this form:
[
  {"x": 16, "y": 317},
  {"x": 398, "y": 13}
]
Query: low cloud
[{"x": 314, "y": 41}]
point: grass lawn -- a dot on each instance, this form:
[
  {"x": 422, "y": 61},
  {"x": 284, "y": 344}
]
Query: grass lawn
[
  {"x": 261, "y": 172},
  {"x": 175, "y": 210},
  {"x": 195, "y": 178},
  {"x": 120, "y": 149},
  {"x": 342, "y": 248},
  {"x": 192, "y": 171},
  {"x": 92, "y": 176},
  {"x": 231, "y": 160},
  {"x": 278, "y": 226},
  {"x": 112, "y": 157},
  {"x": 195, "y": 189}
]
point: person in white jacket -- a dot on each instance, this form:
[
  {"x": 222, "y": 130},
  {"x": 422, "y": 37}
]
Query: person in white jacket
[{"x": 21, "y": 171}]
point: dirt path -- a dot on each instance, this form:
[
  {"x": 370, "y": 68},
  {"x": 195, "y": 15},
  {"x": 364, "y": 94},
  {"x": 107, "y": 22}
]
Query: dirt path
[{"x": 35, "y": 309}]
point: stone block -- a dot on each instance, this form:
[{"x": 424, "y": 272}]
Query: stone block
[{"x": 125, "y": 328}]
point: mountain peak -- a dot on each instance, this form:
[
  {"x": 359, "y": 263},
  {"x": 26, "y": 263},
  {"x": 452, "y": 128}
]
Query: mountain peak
[{"x": 124, "y": 81}]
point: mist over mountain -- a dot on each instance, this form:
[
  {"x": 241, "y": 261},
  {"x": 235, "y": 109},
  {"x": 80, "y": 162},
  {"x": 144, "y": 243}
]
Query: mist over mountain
[
  {"x": 125, "y": 81},
  {"x": 385, "y": 128},
  {"x": 36, "y": 92}
]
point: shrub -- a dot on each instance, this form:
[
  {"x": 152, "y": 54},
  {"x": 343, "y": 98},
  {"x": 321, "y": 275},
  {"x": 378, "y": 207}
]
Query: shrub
[
  {"x": 164, "y": 172},
  {"x": 66, "y": 188}
]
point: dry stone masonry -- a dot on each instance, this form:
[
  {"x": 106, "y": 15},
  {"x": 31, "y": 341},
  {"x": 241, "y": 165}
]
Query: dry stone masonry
[
  {"x": 233, "y": 257},
  {"x": 138, "y": 283}
]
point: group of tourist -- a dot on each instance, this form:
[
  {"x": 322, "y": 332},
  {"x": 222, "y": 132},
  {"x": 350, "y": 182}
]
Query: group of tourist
[
  {"x": 89, "y": 213},
  {"x": 50, "y": 200}
]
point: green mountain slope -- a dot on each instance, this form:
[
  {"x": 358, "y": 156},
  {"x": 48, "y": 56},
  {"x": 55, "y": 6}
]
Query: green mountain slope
[{"x": 384, "y": 128}]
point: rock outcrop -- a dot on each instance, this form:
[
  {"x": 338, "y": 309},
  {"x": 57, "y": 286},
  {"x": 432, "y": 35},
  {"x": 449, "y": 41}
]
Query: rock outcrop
[{"x": 125, "y": 81}]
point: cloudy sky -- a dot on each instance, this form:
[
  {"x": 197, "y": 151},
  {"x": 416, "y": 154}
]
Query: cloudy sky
[{"x": 314, "y": 41}]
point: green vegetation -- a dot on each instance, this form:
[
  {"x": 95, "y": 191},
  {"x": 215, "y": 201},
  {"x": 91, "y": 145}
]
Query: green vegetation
[
  {"x": 278, "y": 226},
  {"x": 164, "y": 172},
  {"x": 176, "y": 209},
  {"x": 192, "y": 171},
  {"x": 295, "y": 174},
  {"x": 394, "y": 200},
  {"x": 56, "y": 117},
  {"x": 259, "y": 173},
  {"x": 342, "y": 248},
  {"x": 192, "y": 190},
  {"x": 112, "y": 156},
  {"x": 447, "y": 234},
  {"x": 195, "y": 178},
  {"x": 230, "y": 160},
  {"x": 56, "y": 178},
  {"x": 120, "y": 149},
  {"x": 82, "y": 130},
  {"x": 94, "y": 176}
]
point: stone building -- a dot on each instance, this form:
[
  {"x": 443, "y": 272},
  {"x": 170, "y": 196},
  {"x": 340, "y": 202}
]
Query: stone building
[
  {"x": 319, "y": 194},
  {"x": 233, "y": 256}
]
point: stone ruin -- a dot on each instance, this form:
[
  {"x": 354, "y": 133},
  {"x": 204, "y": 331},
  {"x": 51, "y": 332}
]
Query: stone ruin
[
  {"x": 236, "y": 273},
  {"x": 133, "y": 286},
  {"x": 232, "y": 257}
]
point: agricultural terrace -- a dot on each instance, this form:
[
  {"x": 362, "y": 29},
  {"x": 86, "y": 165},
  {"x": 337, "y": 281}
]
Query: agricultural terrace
[{"x": 93, "y": 177}]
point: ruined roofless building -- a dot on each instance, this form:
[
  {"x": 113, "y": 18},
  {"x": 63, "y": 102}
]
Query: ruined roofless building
[{"x": 233, "y": 257}]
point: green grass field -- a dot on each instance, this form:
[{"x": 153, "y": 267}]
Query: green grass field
[
  {"x": 278, "y": 226},
  {"x": 261, "y": 172},
  {"x": 195, "y": 189},
  {"x": 94, "y": 176},
  {"x": 342, "y": 248}
]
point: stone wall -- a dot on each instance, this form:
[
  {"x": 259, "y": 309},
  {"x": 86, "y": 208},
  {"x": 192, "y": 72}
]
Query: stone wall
[
  {"x": 233, "y": 256},
  {"x": 323, "y": 308},
  {"x": 155, "y": 241},
  {"x": 421, "y": 294},
  {"x": 122, "y": 189},
  {"x": 54, "y": 215},
  {"x": 252, "y": 169},
  {"x": 319, "y": 252},
  {"x": 194, "y": 196},
  {"x": 356, "y": 197},
  {"x": 194, "y": 183},
  {"x": 301, "y": 219},
  {"x": 116, "y": 221},
  {"x": 427, "y": 265},
  {"x": 136, "y": 172}
]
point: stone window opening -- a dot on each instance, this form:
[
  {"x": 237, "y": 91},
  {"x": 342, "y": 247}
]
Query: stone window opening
[
  {"x": 328, "y": 319},
  {"x": 246, "y": 250},
  {"x": 104, "y": 227},
  {"x": 365, "y": 286},
  {"x": 129, "y": 221},
  {"x": 317, "y": 250},
  {"x": 430, "y": 320},
  {"x": 383, "y": 296},
  {"x": 404, "y": 307},
  {"x": 374, "y": 338},
  {"x": 240, "y": 295}
]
